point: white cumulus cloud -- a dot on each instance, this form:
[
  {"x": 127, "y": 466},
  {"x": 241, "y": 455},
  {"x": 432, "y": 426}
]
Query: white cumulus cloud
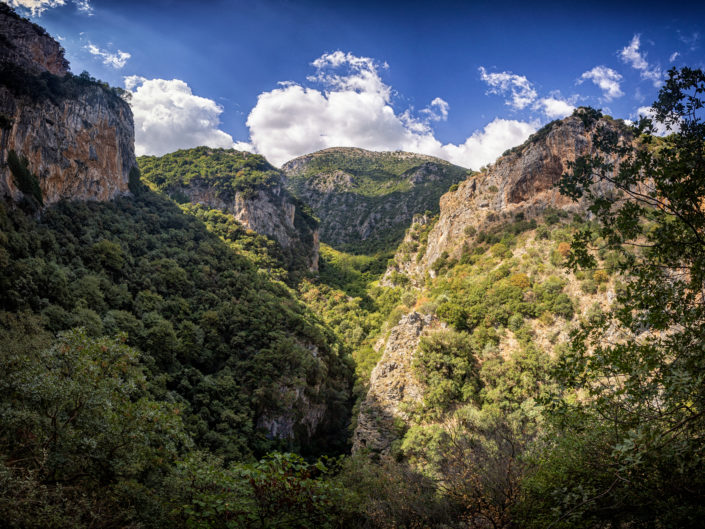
[
  {"x": 660, "y": 129},
  {"x": 554, "y": 107},
  {"x": 350, "y": 105},
  {"x": 84, "y": 6},
  {"x": 116, "y": 60},
  {"x": 518, "y": 87},
  {"x": 607, "y": 79},
  {"x": 486, "y": 145},
  {"x": 673, "y": 56},
  {"x": 168, "y": 116},
  {"x": 437, "y": 110},
  {"x": 37, "y": 7},
  {"x": 631, "y": 55}
]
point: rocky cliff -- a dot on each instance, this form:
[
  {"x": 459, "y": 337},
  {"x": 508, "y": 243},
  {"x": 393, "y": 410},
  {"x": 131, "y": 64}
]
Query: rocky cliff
[
  {"x": 392, "y": 385},
  {"x": 522, "y": 181},
  {"x": 72, "y": 136},
  {"x": 366, "y": 199},
  {"x": 244, "y": 185},
  {"x": 477, "y": 286},
  {"x": 29, "y": 46}
]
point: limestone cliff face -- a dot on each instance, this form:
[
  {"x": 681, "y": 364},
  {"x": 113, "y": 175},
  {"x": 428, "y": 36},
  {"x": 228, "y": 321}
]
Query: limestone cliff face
[
  {"x": 244, "y": 185},
  {"x": 521, "y": 181},
  {"x": 392, "y": 385},
  {"x": 28, "y": 46},
  {"x": 77, "y": 135},
  {"x": 365, "y": 198},
  {"x": 269, "y": 211}
]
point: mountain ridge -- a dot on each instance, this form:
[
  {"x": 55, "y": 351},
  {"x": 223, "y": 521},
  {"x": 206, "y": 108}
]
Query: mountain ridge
[{"x": 377, "y": 191}]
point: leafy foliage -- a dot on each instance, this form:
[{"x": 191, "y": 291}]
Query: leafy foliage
[
  {"x": 226, "y": 171},
  {"x": 222, "y": 339},
  {"x": 281, "y": 490},
  {"x": 23, "y": 177},
  {"x": 77, "y": 418},
  {"x": 53, "y": 88},
  {"x": 631, "y": 450}
]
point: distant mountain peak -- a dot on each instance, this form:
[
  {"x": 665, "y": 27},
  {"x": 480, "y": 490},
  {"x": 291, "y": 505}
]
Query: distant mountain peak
[{"x": 366, "y": 199}]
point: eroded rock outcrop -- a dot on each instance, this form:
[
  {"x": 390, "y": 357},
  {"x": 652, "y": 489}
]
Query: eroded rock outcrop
[
  {"x": 270, "y": 212},
  {"x": 29, "y": 46},
  {"x": 392, "y": 385},
  {"x": 76, "y": 135},
  {"x": 523, "y": 180}
]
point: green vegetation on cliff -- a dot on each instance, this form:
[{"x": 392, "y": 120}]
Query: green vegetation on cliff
[
  {"x": 157, "y": 359},
  {"x": 226, "y": 171},
  {"x": 227, "y": 343},
  {"x": 203, "y": 178},
  {"x": 365, "y": 199}
]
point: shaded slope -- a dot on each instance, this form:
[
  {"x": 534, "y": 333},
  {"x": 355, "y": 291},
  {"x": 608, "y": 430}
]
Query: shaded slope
[
  {"x": 253, "y": 367},
  {"x": 366, "y": 199},
  {"x": 244, "y": 185}
]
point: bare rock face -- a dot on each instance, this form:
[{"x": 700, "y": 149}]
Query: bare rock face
[
  {"x": 273, "y": 213},
  {"x": 304, "y": 417},
  {"x": 76, "y": 135},
  {"x": 521, "y": 181},
  {"x": 392, "y": 385},
  {"x": 28, "y": 46}
]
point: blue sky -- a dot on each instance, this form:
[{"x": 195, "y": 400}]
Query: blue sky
[{"x": 461, "y": 80}]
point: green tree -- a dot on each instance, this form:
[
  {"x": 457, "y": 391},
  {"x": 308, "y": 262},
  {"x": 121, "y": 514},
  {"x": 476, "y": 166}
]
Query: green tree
[
  {"x": 638, "y": 371},
  {"x": 78, "y": 432}
]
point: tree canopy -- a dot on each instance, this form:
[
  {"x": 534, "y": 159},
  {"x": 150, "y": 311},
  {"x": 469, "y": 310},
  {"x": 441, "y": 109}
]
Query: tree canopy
[{"x": 632, "y": 418}]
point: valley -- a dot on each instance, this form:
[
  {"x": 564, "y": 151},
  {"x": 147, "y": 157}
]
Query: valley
[{"x": 358, "y": 339}]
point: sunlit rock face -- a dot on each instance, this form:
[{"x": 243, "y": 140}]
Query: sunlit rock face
[
  {"x": 77, "y": 136},
  {"x": 392, "y": 385},
  {"x": 522, "y": 181}
]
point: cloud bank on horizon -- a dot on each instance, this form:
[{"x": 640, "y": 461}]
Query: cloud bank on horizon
[{"x": 345, "y": 103}]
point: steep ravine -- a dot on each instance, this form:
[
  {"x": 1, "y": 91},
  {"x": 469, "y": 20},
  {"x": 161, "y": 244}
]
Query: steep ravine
[
  {"x": 520, "y": 185},
  {"x": 392, "y": 384}
]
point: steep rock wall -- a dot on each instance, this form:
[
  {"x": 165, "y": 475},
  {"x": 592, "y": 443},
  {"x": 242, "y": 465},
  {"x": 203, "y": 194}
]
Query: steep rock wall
[
  {"x": 269, "y": 211},
  {"x": 77, "y": 135},
  {"x": 523, "y": 181},
  {"x": 29, "y": 46},
  {"x": 392, "y": 385}
]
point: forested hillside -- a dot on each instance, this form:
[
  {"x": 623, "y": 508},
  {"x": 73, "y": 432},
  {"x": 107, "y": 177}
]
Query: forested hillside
[
  {"x": 378, "y": 191},
  {"x": 244, "y": 185},
  {"x": 177, "y": 351}
]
